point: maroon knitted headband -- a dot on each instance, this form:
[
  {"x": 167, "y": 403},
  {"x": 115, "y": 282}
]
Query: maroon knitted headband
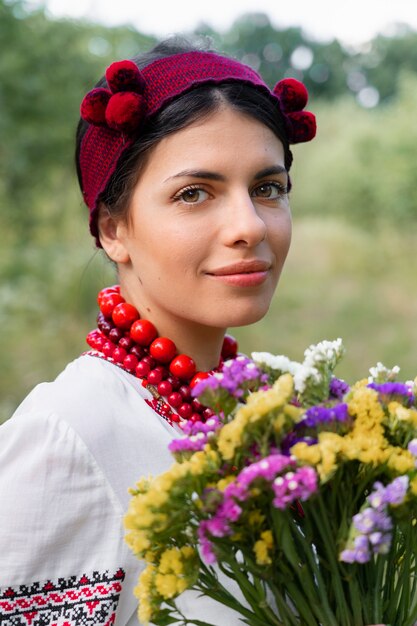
[{"x": 115, "y": 114}]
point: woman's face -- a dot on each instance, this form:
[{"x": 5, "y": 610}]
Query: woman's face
[{"x": 209, "y": 226}]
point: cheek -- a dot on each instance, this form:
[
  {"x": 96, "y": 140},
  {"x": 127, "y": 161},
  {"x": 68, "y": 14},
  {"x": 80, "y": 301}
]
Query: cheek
[{"x": 280, "y": 232}]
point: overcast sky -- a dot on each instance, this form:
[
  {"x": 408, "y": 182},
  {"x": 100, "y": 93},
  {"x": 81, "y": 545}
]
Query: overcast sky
[{"x": 351, "y": 21}]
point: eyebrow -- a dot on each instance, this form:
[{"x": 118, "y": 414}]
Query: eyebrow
[{"x": 207, "y": 175}]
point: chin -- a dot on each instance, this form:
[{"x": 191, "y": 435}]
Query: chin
[{"x": 244, "y": 315}]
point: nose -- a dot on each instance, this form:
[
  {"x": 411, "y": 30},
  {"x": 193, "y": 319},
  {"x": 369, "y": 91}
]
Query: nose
[{"x": 243, "y": 224}]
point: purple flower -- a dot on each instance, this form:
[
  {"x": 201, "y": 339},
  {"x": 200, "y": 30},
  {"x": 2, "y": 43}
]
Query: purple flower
[
  {"x": 372, "y": 520},
  {"x": 205, "y": 544},
  {"x": 266, "y": 468},
  {"x": 394, "y": 493},
  {"x": 394, "y": 389},
  {"x": 294, "y": 485},
  {"x": 338, "y": 388},
  {"x": 236, "y": 376},
  {"x": 319, "y": 415},
  {"x": 298, "y": 485},
  {"x": 198, "y": 435},
  {"x": 292, "y": 438},
  {"x": 193, "y": 428},
  {"x": 412, "y": 447},
  {"x": 372, "y": 526}
]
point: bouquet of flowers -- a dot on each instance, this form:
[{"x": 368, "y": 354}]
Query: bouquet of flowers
[{"x": 301, "y": 489}]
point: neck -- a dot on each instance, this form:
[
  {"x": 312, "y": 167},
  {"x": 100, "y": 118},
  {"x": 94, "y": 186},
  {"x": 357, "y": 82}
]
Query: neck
[{"x": 202, "y": 343}]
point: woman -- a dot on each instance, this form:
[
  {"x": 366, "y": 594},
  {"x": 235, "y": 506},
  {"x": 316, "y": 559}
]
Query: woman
[{"x": 184, "y": 167}]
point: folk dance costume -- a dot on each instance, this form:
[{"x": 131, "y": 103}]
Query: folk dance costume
[
  {"x": 74, "y": 447},
  {"x": 67, "y": 459}
]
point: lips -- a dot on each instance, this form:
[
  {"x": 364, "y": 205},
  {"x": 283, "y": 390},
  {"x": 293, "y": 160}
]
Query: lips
[{"x": 242, "y": 267}]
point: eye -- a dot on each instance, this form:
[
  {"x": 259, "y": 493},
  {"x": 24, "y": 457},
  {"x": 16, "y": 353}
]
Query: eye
[
  {"x": 191, "y": 195},
  {"x": 270, "y": 191}
]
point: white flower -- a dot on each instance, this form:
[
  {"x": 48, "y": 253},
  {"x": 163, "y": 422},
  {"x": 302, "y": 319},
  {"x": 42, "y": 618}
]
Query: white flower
[
  {"x": 275, "y": 361},
  {"x": 380, "y": 373},
  {"x": 325, "y": 351},
  {"x": 303, "y": 374}
]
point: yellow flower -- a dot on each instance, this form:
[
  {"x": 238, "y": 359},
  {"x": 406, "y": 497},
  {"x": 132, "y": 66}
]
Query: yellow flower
[
  {"x": 401, "y": 461},
  {"x": 223, "y": 482},
  {"x": 166, "y": 585},
  {"x": 255, "y": 518},
  {"x": 413, "y": 486},
  {"x": 138, "y": 541},
  {"x": 171, "y": 561},
  {"x": 143, "y": 591},
  {"x": 307, "y": 454},
  {"x": 263, "y": 548},
  {"x": 259, "y": 404}
]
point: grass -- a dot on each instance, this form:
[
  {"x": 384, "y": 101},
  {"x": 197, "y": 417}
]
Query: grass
[{"x": 340, "y": 281}]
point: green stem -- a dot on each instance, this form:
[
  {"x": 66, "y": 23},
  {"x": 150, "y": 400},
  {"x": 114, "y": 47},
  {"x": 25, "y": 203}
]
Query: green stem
[
  {"x": 283, "y": 608},
  {"x": 210, "y": 586},
  {"x": 324, "y": 613},
  {"x": 404, "y": 577},
  {"x": 377, "y": 603},
  {"x": 322, "y": 524}
]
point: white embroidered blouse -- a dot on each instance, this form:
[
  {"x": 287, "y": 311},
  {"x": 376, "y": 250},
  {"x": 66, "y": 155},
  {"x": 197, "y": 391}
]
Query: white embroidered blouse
[{"x": 67, "y": 458}]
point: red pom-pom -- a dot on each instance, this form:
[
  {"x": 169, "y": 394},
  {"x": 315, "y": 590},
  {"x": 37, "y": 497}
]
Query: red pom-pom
[
  {"x": 124, "y": 76},
  {"x": 93, "y": 107},
  {"x": 292, "y": 94},
  {"x": 302, "y": 126},
  {"x": 124, "y": 111}
]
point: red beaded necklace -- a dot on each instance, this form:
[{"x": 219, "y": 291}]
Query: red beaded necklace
[{"x": 132, "y": 343}]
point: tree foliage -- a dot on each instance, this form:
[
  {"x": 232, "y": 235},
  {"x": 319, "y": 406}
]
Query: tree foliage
[{"x": 360, "y": 168}]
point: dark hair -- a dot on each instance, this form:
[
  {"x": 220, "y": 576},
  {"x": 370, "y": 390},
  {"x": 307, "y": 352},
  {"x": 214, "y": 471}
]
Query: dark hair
[{"x": 195, "y": 104}]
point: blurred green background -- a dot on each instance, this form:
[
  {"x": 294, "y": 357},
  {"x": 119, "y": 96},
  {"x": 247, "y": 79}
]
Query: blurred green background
[{"x": 352, "y": 268}]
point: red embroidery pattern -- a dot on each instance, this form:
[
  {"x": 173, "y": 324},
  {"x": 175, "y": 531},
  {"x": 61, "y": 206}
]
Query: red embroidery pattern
[{"x": 75, "y": 601}]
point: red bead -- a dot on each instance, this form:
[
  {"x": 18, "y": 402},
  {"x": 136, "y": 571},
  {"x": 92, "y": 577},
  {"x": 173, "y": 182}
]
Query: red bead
[
  {"x": 195, "y": 417},
  {"x": 119, "y": 354},
  {"x": 127, "y": 343},
  {"x": 108, "y": 348},
  {"x": 142, "y": 369},
  {"x": 100, "y": 341},
  {"x": 163, "y": 349},
  {"x": 137, "y": 351},
  {"x": 91, "y": 338},
  {"x": 143, "y": 332},
  {"x": 130, "y": 362},
  {"x": 105, "y": 326},
  {"x": 174, "y": 417},
  {"x": 184, "y": 390},
  {"x": 154, "y": 377},
  {"x": 207, "y": 413},
  {"x": 198, "y": 378},
  {"x": 185, "y": 410},
  {"x": 229, "y": 348},
  {"x": 175, "y": 399},
  {"x": 109, "y": 301},
  {"x": 124, "y": 314},
  {"x": 183, "y": 367},
  {"x": 107, "y": 290},
  {"x": 175, "y": 382},
  {"x": 197, "y": 406},
  {"x": 150, "y": 361},
  {"x": 115, "y": 335},
  {"x": 165, "y": 388}
]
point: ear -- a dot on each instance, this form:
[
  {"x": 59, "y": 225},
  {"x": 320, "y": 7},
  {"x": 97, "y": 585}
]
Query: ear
[{"x": 112, "y": 236}]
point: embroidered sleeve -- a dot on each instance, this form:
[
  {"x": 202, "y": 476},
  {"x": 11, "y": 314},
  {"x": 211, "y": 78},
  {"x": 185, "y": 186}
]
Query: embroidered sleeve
[
  {"x": 62, "y": 554},
  {"x": 90, "y": 600}
]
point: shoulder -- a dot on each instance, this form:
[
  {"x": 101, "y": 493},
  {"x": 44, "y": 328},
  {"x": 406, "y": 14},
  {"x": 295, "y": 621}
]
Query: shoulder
[
  {"x": 105, "y": 408},
  {"x": 53, "y": 495}
]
